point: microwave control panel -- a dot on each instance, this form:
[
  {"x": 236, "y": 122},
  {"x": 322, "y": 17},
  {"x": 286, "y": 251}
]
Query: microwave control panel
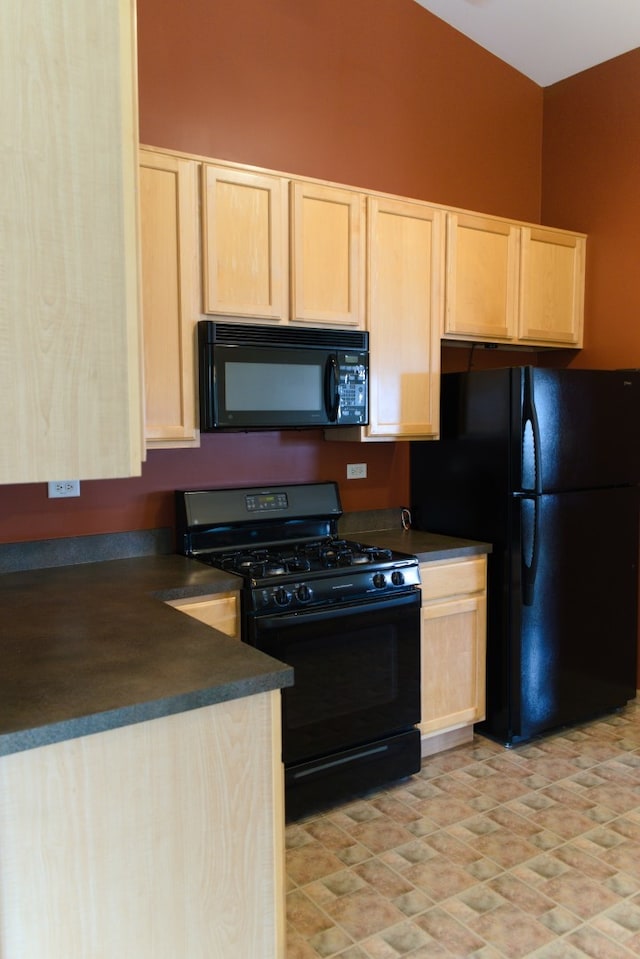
[{"x": 353, "y": 388}]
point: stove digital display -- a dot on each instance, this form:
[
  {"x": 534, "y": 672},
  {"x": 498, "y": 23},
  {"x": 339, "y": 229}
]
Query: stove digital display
[{"x": 265, "y": 502}]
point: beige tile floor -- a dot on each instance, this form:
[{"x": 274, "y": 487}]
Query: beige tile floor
[{"x": 486, "y": 853}]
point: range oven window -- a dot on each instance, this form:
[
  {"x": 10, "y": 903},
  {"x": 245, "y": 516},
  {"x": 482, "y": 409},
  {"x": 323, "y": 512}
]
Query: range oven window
[{"x": 357, "y": 673}]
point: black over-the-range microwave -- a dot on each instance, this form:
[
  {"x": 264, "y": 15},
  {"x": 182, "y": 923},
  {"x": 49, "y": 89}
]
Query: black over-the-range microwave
[{"x": 276, "y": 377}]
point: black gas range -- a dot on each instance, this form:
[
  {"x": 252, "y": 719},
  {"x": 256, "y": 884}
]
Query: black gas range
[{"x": 344, "y": 614}]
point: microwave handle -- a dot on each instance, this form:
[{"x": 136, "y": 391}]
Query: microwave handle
[{"x": 331, "y": 393}]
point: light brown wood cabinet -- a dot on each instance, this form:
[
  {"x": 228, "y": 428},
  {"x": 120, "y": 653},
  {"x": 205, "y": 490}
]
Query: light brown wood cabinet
[
  {"x": 481, "y": 278},
  {"x": 219, "y": 610},
  {"x": 170, "y": 267},
  {"x": 513, "y": 284},
  {"x": 285, "y": 250},
  {"x": 245, "y": 243},
  {"x": 405, "y": 259},
  {"x": 453, "y": 650},
  {"x": 327, "y": 255},
  {"x": 552, "y": 277},
  {"x": 70, "y": 364},
  {"x": 405, "y": 287},
  {"x": 156, "y": 840}
]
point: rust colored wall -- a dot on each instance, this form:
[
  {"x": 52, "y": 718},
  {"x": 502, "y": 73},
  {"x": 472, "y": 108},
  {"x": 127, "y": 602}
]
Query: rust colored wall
[
  {"x": 378, "y": 94},
  {"x": 591, "y": 146}
]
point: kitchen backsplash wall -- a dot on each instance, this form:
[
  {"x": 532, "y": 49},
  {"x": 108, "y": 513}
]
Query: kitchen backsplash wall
[{"x": 235, "y": 459}]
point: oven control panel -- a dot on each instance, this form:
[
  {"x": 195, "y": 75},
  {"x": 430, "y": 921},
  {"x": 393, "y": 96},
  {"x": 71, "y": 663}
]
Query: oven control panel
[{"x": 349, "y": 586}]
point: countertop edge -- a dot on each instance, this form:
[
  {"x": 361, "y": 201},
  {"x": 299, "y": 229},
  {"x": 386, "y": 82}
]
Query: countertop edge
[{"x": 77, "y": 727}]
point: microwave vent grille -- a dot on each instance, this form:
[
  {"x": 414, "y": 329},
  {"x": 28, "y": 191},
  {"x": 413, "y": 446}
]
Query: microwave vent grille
[{"x": 246, "y": 334}]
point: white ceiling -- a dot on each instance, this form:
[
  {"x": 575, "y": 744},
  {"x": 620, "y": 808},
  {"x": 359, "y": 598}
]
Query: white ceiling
[{"x": 547, "y": 40}]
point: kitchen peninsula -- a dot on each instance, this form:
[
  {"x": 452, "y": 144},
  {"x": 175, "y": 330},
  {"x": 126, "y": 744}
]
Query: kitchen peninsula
[
  {"x": 141, "y": 803},
  {"x": 141, "y": 799}
]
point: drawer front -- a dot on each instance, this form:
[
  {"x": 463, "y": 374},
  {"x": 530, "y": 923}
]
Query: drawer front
[{"x": 453, "y": 577}]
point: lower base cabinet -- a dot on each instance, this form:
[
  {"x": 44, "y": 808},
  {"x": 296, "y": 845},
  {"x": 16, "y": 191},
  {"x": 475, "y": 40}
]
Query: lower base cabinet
[
  {"x": 156, "y": 840},
  {"x": 453, "y": 651}
]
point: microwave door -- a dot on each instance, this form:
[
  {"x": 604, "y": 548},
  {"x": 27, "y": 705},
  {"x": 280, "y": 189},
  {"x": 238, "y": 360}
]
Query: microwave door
[{"x": 257, "y": 388}]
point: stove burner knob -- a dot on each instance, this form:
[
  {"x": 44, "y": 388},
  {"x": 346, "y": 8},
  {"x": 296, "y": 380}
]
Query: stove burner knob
[
  {"x": 282, "y": 596},
  {"x": 397, "y": 578},
  {"x": 379, "y": 580},
  {"x": 304, "y": 593}
]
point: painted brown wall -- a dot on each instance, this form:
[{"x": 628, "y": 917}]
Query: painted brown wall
[
  {"x": 591, "y": 146},
  {"x": 378, "y": 94}
]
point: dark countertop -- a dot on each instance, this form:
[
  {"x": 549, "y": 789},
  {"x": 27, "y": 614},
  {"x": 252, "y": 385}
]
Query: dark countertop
[
  {"x": 428, "y": 547},
  {"x": 91, "y": 647}
]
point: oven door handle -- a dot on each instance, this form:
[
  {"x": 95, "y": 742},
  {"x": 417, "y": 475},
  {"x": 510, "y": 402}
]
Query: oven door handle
[{"x": 279, "y": 620}]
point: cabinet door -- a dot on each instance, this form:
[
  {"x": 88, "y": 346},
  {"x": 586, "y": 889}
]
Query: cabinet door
[
  {"x": 170, "y": 296},
  {"x": 552, "y": 274},
  {"x": 245, "y": 268},
  {"x": 327, "y": 269},
  {"x": 70, "y": 363},
  {"x": 482, "y": 274},
  {"x": 406, "y": 245},
  {"x": 453, "y": 663}
]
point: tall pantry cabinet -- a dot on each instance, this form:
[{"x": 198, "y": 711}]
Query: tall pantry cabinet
[{"x": 69, "y": 299}]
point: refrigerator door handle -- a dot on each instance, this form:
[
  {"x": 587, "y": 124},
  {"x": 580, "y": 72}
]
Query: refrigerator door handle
[
  {"x": 530, "y": 545},
  {"x": 531, "y": 478}
]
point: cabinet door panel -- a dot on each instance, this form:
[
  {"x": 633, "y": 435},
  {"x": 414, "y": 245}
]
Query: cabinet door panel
[
  {"x": 552, "y": 273},
  {"x": 328, "y": 265},
  {"x": 70, "y": 363},
  {"x": 453, "y": 662},
  {"x": 405, "y": 303},
  {"x": 170, "y": 296},
  {"x": 245, "y": 243},
  {"x": 482, "y": 275}
]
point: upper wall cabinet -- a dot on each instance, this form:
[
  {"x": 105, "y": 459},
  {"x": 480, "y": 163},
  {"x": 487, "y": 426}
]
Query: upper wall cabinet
[
  {"x": 70, "y": 382},
  {"x": 406, "y": 242},
  {"x": 406, "y": 247},
  {"x": 327, "y": 263},
  {"x": 170, "y": 242},
  {"x": 509, "y": 283},
  {"x": 552, "y": 276},
  {"x": 482, "y": 277},
  {"x": 244, "y": 236}
]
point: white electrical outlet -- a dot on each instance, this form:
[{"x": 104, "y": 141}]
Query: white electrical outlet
[
  {"x": 356, "y": 470},
  {"x": 60, "y": 488}
]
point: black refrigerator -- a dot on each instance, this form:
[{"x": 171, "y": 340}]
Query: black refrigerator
[{"x": 544, "y": 465}]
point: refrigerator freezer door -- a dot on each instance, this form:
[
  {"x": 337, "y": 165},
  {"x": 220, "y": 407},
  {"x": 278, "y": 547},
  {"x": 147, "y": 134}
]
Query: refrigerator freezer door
[
  {"x": 584, "y": 432},
  {"x": 577, "y": 656}
]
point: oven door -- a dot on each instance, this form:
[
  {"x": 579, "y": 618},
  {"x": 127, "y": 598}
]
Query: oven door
[{"x": 357, "y": 673}]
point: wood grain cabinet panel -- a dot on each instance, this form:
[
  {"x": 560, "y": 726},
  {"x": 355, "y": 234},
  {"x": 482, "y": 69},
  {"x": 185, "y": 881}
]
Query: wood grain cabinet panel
[
  {"x": 453, "y": 660},
  {"x": 70, "y": 363},
  {"x": 327, "y": 255},
  {"x": 512, "y": 283},
  {"x": 482, "y": 277},
  {"x": 156, "y": 840},
  {"x": 170, "y": 259},
  {"x": 552, "y": 277},
  {"x": 405, "y": 264},
  {"x": 219, "y": 610},
  {"x": 245, "y": 243}
]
